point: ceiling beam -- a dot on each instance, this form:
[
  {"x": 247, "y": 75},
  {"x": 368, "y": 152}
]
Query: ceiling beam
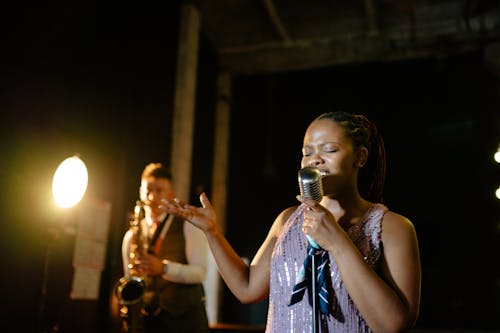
[
  {"x": 277, "y": 22},
  {"x": 309, "y": 54}
]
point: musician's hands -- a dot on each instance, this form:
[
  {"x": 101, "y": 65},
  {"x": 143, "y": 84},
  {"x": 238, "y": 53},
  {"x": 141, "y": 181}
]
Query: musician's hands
[
  {"x": 150, "y": 265},
  {"x": 201, "y": 217}
]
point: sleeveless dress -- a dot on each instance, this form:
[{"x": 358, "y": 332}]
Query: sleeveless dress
[{"x": 287, "y": 259}]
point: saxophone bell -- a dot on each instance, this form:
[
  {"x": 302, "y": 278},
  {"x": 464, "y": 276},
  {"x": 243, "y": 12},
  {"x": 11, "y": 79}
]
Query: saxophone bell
[{"x": 130, "y": 290}]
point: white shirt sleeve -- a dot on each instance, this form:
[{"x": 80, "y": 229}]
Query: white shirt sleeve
[{"x": 196, "y": 253}]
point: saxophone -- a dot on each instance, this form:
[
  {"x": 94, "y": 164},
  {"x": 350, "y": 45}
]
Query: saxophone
[{"x": 130, "y": 288}]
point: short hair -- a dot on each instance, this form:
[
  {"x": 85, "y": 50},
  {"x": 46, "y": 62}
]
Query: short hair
[{"x": 156, "y": 170}]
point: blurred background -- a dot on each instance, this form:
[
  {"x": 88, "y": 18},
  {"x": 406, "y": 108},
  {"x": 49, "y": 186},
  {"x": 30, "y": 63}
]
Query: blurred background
[{"x": 99, "y": 80}]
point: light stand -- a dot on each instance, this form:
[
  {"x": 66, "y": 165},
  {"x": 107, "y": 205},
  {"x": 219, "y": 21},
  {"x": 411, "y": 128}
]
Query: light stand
[
  {"x": 69, "y": 185},
  {"x": 53, "y": 234}
]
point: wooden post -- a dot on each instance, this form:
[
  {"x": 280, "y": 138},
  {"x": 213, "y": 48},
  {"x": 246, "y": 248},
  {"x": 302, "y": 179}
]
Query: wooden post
[
  {"x": 184, "y": 102},
  {"x": 219, "y": 188}
]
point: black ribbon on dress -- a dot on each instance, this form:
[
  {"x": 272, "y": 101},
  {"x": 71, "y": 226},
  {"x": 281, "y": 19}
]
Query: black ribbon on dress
[{"x": 328, "y": 303}]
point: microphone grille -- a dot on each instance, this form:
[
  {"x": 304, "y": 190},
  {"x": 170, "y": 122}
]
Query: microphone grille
[{"x": 310, "y": 183}]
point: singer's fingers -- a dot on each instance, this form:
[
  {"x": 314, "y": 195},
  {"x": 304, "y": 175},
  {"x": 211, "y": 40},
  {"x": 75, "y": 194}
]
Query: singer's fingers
[
  {"x": 179, "y": 202},
  {"x": 204, "y": 201},
  {"x": 175, "y": 202},
  {"x": 308, "y": 225},
  {"x": 307, "y": 200}
]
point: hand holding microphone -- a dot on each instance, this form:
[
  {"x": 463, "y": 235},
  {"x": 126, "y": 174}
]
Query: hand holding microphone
[{"x": 311, "y": 186}]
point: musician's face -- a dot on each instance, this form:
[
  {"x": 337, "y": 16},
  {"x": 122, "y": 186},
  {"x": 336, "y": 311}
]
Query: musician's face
[{"x": 153, "y": 190}]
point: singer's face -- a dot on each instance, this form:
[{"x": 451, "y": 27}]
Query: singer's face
[
  {"x": 327, "y": 147},
  {"x": 153, "y": 190}
]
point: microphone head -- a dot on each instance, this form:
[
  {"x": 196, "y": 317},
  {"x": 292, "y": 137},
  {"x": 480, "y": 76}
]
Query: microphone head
[{"x": 310, "y": 183}]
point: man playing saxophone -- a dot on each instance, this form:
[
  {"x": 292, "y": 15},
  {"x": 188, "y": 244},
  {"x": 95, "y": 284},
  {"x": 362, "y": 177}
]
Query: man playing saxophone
[{"x": 173, "y": 267}]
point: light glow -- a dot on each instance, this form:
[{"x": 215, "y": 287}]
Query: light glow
[
  {"x": 70, "y": 182},
  {"x": 497, "y": 156}
]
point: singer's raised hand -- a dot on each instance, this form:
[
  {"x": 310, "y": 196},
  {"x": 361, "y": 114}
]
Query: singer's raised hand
[{"x": 201, "y": 217}]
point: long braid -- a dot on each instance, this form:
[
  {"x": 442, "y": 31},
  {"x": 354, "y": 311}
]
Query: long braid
[
  {"x": 364, "y": 133},
  {"x": 376, "y": 188}
]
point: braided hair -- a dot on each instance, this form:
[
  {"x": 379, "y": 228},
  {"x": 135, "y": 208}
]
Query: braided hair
[{"x": 364, "y": 133}]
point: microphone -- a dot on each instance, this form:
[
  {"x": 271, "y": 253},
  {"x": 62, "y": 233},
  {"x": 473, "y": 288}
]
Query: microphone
[{"x": 311, "y": 186}]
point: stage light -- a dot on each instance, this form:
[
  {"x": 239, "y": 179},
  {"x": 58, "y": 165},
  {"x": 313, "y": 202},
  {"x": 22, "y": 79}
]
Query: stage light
[
  {"x": 69, "y": 185},
  {"x": 70, "y": 182},
  {"x": 496, "y": 156}
]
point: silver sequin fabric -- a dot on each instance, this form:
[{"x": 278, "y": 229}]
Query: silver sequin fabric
[{"x": 287, "y": 258}]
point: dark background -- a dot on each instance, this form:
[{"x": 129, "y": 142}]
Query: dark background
[{"x": 98, "y": 80}]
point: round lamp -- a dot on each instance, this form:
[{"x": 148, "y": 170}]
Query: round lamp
[{"x": 70, "y": 182}]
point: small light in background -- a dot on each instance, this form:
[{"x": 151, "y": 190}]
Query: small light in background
[
  {"x": 496, "y": 156},
  {"x": 497, "y": 193},
  {"x": 70, "y": 182}
]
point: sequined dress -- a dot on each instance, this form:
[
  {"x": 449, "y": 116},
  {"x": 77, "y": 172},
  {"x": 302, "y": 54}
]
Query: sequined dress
[{"x": 286, "y": 261}]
